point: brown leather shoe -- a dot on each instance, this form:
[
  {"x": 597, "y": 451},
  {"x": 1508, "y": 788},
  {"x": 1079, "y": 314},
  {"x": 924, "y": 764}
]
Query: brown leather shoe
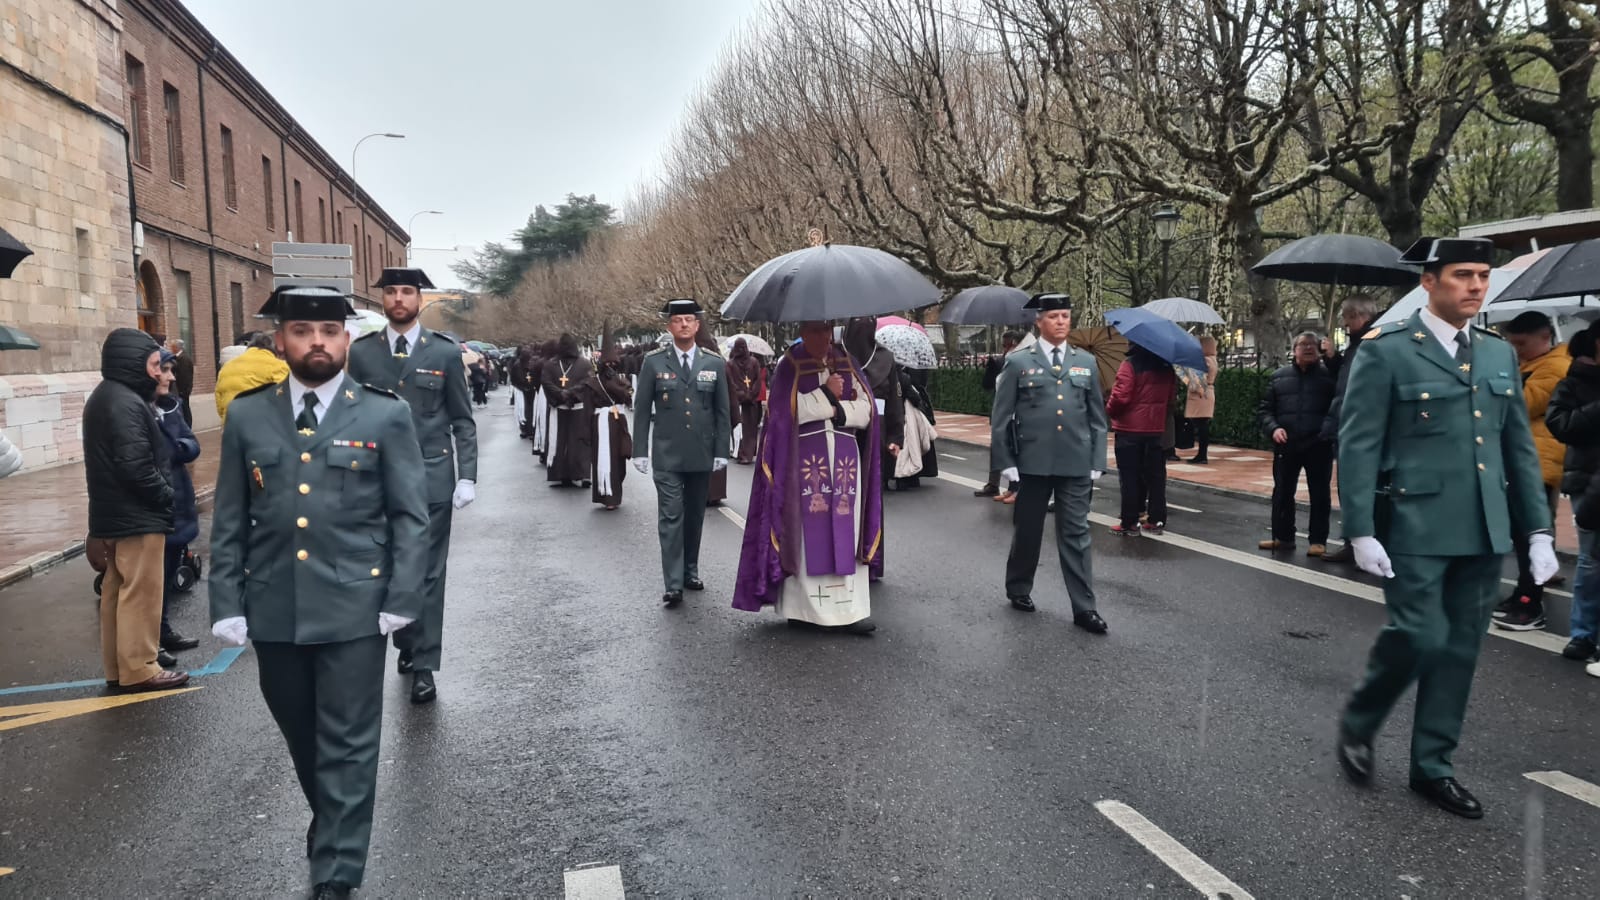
[
  {"x": 1276, "y": 545},
  {"x": 1009, "y": 497},
  {"x": 166, "y": 681},
  {"x": 1316, "y": 550},
  {"x": 1001, "y": 497}
]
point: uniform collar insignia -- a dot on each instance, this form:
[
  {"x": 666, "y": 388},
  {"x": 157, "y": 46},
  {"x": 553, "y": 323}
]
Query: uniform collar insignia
[{"x": 349, "y": 395}]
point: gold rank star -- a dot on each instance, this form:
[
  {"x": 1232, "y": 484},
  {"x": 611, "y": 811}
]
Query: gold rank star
[
  {"x": 1419, "y": 335},
  {"x": 349, "y": 395},
  {"x": 1466, "y": 367}
]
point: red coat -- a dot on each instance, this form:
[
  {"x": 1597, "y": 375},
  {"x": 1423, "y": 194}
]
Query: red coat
[{"x": 1139, "y": 400}]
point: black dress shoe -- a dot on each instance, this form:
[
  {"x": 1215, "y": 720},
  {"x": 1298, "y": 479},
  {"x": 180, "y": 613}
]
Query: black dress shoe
[
  {"x": 176, "y": 642},
  {"x": 331, "y": 890},
  {"x": 1355, "y": 757},
  {"x": 403, "y": 664},
  {"x": 694, "y": 584},
  {"x": 988, "y": 490},
  {"x": 1090, "y": 621},
  {"x": 672, "y": 598},
  {"x": 165, "y": 660},
  {"x": 865, "y": 626},
  {"x": 422, "y": 689},
  {"x": 1449, "y": 795},
  {"x": 1023, "y": 603}
]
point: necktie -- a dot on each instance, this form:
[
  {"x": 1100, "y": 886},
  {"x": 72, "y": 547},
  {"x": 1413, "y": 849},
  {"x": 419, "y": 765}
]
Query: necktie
[
  {"x": 686, "y": 362},
  {"x": 1055, "y": 358},
  {"x": 401, "y": 346},
  {"x": 307, "y": 420},
  {"x": 1463, "y": 351}
]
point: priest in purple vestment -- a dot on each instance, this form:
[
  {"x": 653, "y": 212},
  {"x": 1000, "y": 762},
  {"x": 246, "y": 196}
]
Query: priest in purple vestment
[{"x": 813, "y": 537}]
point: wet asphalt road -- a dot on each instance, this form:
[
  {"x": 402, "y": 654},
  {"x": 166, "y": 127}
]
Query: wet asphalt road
[{"x": 712, "y": 753}]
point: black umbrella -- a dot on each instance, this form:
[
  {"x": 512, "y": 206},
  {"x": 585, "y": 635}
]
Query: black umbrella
[
  {"x": 12, "y": 339},
  {"x": 831, "y": 281},
  {"x": 1572, "y": 270},
  {"x": 992, "y": 304},
  {"x": 1344, "y": 259},
  {"x": 12, "y": 251}
]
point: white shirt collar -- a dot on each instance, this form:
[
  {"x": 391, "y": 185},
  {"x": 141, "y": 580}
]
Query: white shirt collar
[
  {"x": 410, "y": 334},
  {"x": 1443, "y": 331},
  {"x": 326, "y": 394},
  {"x": 1048, "y": 347},
  {"x": 678, "y": 354}
]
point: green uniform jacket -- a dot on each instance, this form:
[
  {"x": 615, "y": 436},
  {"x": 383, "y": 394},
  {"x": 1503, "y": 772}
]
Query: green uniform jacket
[
  {"x": 1447, "y": 452},
  {"x": 1061, "y": 417},
  {"x": 685, "y": 412},
  {"x": 433, "y": 380},
  {"x": 313, "y": 535}
]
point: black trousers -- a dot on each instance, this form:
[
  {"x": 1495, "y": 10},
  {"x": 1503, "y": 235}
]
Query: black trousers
[
  {"x": 1142, "y": 471},
  {"x": 1287, "y": 462},
  {"x": 1525, "y": 585},
  {"x": 1202, "y": 437},
  {"x": 328, "y": 701}
]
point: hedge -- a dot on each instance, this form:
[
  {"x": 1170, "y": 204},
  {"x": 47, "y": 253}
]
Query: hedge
[{"x": 960, "y": 390}]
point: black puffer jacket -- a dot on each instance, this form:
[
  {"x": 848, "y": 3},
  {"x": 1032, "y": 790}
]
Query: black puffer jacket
[
  {"x": 1574, "y": 419},
  {"x": 1301, "y": 403},
  {"x": 125, "y": 455}
]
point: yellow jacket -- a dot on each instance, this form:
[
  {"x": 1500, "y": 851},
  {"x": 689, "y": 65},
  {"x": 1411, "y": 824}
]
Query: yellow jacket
[
  {"x": 255, "y": 367},
  {"x": 1539, "y": 379}
]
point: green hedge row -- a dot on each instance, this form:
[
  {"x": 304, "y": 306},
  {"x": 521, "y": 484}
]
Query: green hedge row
[{"x": 960, "y": 390}]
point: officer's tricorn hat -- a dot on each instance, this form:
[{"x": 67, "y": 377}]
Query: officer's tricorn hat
[
  {"x": 413, "y": 277},
  {"x": 1431, "y": 252},
  {"x": 1048, "y": 301},
  {"x": 681, "y": 307},
  {"x": 307, "y": 303}
]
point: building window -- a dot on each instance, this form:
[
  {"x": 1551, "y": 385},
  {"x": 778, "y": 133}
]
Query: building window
[
  {"x": 85, "y": 263},
  {"x": 266, "y": 191},
  {"x": 299, "y": 214},
  {"x": 236, "y": 303},
  {"x": 230, "y": 184},
  {"x": 369, "y": 253},
  {"x": 322, "y": 220},
  {"x": 174, "y": 133},
  {"x": 355, "y": 242},
  {"x": 185, "y": 313},
  {"x": 338, "y": 225},
  {"x": 138, "y": 112}
]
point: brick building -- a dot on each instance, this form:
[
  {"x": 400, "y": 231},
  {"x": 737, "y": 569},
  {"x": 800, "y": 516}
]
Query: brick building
[{"x": 151, "y": 173}]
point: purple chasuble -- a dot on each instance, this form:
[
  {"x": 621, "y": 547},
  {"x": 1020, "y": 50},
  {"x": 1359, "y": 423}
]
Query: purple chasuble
[{"x": 799, "y": 497}]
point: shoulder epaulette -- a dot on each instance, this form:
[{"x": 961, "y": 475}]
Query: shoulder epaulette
[
  {"x": 1479, "y": 329},
  {"x": 444, "y": 337},
  {"x": 657, "y": 351},
  {"x": 1381, "y": 330},
  {"x": 368, "y": 335},
  {"x": 378, "y": 390},
  {"x": 257, "y": 389},
  {"x": 711, "y": 353}
]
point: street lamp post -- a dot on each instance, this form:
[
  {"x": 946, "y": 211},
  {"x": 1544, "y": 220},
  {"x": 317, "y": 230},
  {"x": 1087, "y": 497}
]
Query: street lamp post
[
  {"x": 413, "y": 222},
  {"x": 382, "y": 134},
  {"x": 1166, "y": 218}
]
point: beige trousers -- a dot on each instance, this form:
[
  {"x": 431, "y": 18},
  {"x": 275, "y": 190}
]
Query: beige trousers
[{"x": 130, "y": 608}]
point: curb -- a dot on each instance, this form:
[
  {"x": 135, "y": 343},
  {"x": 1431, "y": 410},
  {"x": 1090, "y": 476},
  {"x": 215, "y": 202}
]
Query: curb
[{"x": 39, "y": 562}]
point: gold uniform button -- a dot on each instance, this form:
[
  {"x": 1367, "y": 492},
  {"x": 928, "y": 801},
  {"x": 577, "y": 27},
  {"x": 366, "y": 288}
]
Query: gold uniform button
[
  {"x": 374, "y": 573},
  {"x": 1480, "y": 440},
  {"x": 1424, "y": 395},
  {"x": 445, "y": 451},
  {"x": 354, "y": 464},
  {"x": 1480, "y": 467},
  {"x": 305, "y": 488},
  {"x": 305, "y": 457},
  {"x": 1058, "y": 412},
  {"x": 1058, "y": 427},
  {"x": 302, "y": 522},
  {"x": 1477, "y": 414},
  {"x": 401, "y": 383},
  {"x": 1059, "y": 397},
  {"x": 302, "y": 556}
]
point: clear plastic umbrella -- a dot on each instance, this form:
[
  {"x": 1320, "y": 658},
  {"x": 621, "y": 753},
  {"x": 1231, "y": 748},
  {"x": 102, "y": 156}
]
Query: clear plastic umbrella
[{"x": 1182, "y": 309}]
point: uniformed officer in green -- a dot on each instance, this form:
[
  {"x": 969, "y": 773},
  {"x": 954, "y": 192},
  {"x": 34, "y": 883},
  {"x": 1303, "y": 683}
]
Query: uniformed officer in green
[
  {"x": 317, "y": 543},
  {"x": 424, "y": 367},
  {"x": 683, "y": 400},
  {"x": 1049, "y": 440},
  {"x": 1437, "y": 471}
]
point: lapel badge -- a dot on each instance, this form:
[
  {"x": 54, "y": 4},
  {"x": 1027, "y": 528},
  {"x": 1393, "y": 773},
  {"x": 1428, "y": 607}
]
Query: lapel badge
[
  {"x": 307, "y": 432},
  {"x": 1419, "y": 335},
  {"x": 279, "y": 392},
  {"x": 1466, "y": 367},
  {"x": 349, "y": 395}
]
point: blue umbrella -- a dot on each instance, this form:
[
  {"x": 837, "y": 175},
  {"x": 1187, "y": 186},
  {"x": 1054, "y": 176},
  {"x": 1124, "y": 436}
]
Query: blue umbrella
[{"x": 1161, "y": 337}]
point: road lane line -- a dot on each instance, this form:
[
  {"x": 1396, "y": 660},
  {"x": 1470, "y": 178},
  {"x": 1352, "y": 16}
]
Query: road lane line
[
  {"x": 733, "y": 517},
  {"x": 216, "y": 666},
  {"x": 1187, "y": 509},
  {"x": 1327, "y": 581},
  {"x": 595, "y": 883},
  {"x": 1573, "y": 787},
  {"x": 4, "y": 871},
  {"x": 1177, "y": 857},
  {"x": 953, "y": 456}
]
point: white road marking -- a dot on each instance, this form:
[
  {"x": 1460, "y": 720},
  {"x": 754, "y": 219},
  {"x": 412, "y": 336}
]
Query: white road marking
[
  {"x": 595, "y": 883},
  {"x": 1573, "y": 787},
  {"x": 733, "y": 517},
  {"x": 1548, "y": 590},
  {"x": 1254, "y": 560},
  {"x": 953, "y": 456},
  {"x": 1187, "y": 509},
  {"x": 1177, "y": 857}
]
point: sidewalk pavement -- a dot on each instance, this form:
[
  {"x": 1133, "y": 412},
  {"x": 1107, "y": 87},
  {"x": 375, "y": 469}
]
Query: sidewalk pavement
[
  {"x": 47, "y": 511},
  {"x": 1233, "y": 470}
]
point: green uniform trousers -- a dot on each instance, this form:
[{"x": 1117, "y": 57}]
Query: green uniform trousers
[
  {"x": 1072, "y": 496},
  {"x": 328, "y": 701},
  {"x": 423, "y": 639},
  {"x": 680, "y": 517},
  {"x": 1439, "y": 609}
]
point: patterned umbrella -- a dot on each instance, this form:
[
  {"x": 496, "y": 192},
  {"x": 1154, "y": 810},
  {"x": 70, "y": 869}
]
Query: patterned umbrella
[
  {"x": 1182, "y": 309},
  {"x": 756, "y": 345},
  {"x": 911, "y": 348}
]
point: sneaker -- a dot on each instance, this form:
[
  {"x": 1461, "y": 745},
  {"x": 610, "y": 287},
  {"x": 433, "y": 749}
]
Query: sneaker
[
  {"x": 1581, "y": 649},
  {"x": 1125, "y": 532},
  {"x": 1593, "y": 668},
  {"x": 1527, "y": 616},
  {"x": 1155, "y": 527},
  {"x": 1504, "y": 607}
]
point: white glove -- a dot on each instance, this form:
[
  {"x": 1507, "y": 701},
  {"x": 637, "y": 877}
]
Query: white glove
[
  {"x": 1371, "y": 557},
  {"x": 1010, "y": 475},
  {"x": 466, "y": 492},
  {"x": 232, "y": 629},
  {"x": 1094, "y": 474},
  {"x": 1542, "y": 563},
  {"x": 389, "y": 623},
  {"x": 642, "y": 463},
  {"x": 718, "y": 464}
]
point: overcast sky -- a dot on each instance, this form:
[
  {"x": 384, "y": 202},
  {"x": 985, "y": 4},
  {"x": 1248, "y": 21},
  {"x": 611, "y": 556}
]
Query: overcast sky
[{"x": 505, "y": 104}]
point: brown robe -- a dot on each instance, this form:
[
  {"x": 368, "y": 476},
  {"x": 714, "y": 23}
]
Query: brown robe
[
  {"x": 605, "y": 389},
  {"x": 569, "y": 460}
]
